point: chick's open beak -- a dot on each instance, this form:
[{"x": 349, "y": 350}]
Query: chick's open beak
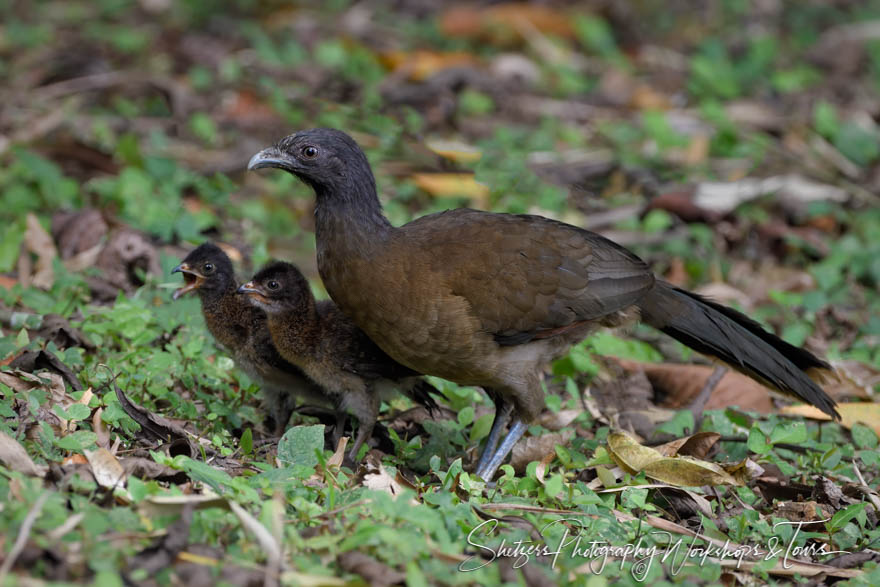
[{"x": 192, "y": 280}]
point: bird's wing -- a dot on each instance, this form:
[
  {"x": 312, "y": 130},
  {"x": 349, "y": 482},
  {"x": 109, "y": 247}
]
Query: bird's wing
[{"x": 526, "y": 276}]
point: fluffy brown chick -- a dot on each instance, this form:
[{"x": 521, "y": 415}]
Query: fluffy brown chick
[
  {"x": 241, "y": 329},
  {"x": 330, "y": 349}
]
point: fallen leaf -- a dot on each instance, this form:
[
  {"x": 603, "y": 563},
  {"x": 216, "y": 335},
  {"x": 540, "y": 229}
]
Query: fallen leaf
[
  {"x": 805, "y": 511},
  {"x": 689, "y": 472},
  {"x": 370, "y": 569},
  {"x": 336, "y": 459},
  {"x": 422, "y": 64},
  {"x": 855, "y": 379},
  {"x": 850, "y": 413},
  {"x": 536, "y": 448},
  {"x": 679, "y": 384},
  {"x": 40, "y": 243},
  {"x": 697, "y": 445},
  {"x": 554, "y": 421},
  {"x": 106, "y": 468},
  {"x": 15, "y": 457},
  {"x": 629, "y": 455},
  {"x": 455, "y": 151},
  {"x": 375, "y": 477},
  {"x": 541, "y": 469},
  {"x": 453, "y": 184},
  {"x": 504, "y": 24},
  {"x": 724, "y": 197}
]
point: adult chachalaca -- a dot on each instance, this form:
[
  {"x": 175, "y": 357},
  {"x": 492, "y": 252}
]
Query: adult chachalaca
[
  {"x": 241, "y": 329},
  {"x": 336, "y": 355},
  {"x": 488, "y": 299}
]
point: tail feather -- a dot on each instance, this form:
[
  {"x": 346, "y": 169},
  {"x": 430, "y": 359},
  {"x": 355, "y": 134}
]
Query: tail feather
[{"x": 735, "y": 339}]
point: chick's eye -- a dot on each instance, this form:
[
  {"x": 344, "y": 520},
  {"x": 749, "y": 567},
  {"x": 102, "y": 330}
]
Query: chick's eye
[
  {"x": 273, "y": 285},
  {"x": 209, "y": 267},
  {"x": 309, "y": 152}
]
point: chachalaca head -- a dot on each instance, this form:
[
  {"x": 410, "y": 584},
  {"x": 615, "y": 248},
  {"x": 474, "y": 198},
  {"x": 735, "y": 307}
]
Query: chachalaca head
[
  {"x": 279, "y": 287},
  {"x": 207, "y": 270},
  {"x": 325, "y": 158},
  {"x": 488, "y": 299}
]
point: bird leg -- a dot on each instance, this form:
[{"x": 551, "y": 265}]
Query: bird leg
[
  {"x": 517, "y": 429},
  {"x": 502, "y": 417}
]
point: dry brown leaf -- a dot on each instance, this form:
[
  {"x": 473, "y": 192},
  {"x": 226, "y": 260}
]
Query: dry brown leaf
[
  {"x": 422, "y": 64},
  {"x": 455, "y": 151},
  {"x": 804, "y": 511},
  {"x": 697, "y": 445},
  {"x": 504, "y": 24},
  {"x": 680, "y": 384},
  {"x": 38, "y": 241},
  {"x": 106, "y": 468},
  {"x": 558, "y": 420},
  {"x": 688, "y": 472},
  {"x": 854, "y": 379},
  {"x": 535, "y": 448},
  {"x": 100, "y": 429},
  {"x": 631, "y": 456},
  {"x": 724, "y": 197},
  {"x": 850, "y": 413},
  {"x": 14, "y": 457},
  {"x": 375, "y": 477},
  {"x": 336, "y": 459},
  {"x": 541, "y": 469},
  {"x": 453, "y": 184}
]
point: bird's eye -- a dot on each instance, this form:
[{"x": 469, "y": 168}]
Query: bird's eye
[
  {"x": 209, "y": 267},
  {"x": 309, "y": 152},
  {"x": 273, "y": 285}
]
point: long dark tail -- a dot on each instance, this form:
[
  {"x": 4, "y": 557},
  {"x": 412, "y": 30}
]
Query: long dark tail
[{"x": 735, "y": 339}]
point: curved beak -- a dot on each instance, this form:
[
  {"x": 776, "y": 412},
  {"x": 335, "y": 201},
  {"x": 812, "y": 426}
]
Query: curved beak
[
  {"x": 270, "y": 157},
  {"x": 248, "y": 288},
  {"x": 192, "y": 280}
]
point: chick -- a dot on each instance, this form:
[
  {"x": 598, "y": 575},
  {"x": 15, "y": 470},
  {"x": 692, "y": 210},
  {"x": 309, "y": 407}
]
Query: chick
[
  {"x": 334, "y": 353},
  {"x": 241, "y": 329}
]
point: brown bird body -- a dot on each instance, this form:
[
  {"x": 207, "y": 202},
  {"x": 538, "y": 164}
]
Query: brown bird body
[
  {"x": 241, "y": 329},
  {"x": 330, "y": 349},
  {"x": 487, "y": 299}
]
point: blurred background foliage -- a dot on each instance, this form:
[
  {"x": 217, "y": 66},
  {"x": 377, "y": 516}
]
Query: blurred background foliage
[{"x": 733, "y": 144}]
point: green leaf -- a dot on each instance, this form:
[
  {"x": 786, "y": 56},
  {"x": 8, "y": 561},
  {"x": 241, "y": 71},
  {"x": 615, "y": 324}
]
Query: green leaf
[
  {"x": 199, "y": 471},
  {"x": 466, "y": 416},
  {"x": 793, "y": 433},
  {"x": 77, "y": 441},
  {"x": 10, "y": 245},
  {"x": 78, "y": 412},
  {"x": 481, "y": 427},
  {"x": 247, "y": 441},
  {"x": 299, "y": 444},
  {"x": 863, "y": 437},
  {"x": 22, "y": 339},
  {"x": 758, "y": 442},
  {"x": 553, "y": 485},
  {"x": 847, "y": 514},
  {"x": 859, "y": 145}
]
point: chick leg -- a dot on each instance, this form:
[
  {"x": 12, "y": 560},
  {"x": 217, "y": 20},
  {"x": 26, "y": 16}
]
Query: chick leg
[{"x": 338, "y": 428}]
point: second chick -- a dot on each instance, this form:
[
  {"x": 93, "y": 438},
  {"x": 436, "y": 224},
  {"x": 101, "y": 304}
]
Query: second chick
[{"x": 334, "y": 353}]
